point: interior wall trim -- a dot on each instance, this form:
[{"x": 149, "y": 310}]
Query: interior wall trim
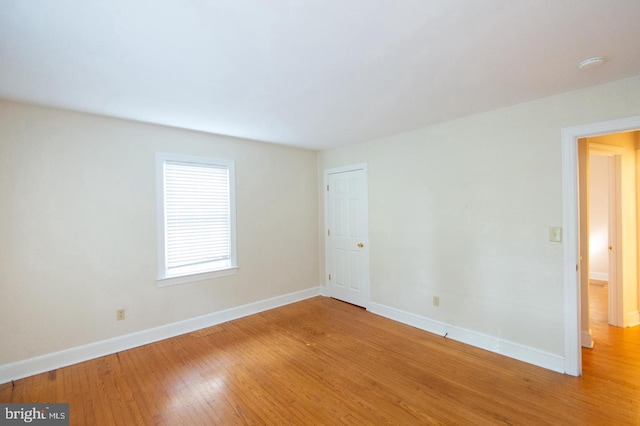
[
  {"x": 483, "y": 341},
  {"x": 570, "y": 213},
  {"x": 40, "y": 364}
]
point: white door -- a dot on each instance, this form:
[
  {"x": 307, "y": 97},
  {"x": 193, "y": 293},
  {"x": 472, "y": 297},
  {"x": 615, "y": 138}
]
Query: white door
[{"x": 347, "y": 244}]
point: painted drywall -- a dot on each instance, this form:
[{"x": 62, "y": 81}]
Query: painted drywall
[
  {"x": 637, "y": 144},
  {"x": 583, "y": 198},
  {"x": 462, "y": 210},
  {"x": 78, "y": 228},
  {"x": 599, "y": 217}
]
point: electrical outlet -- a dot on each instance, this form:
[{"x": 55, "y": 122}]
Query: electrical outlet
[
  {"x": 436, "y": 301},
  {"x": 120, "y": 314},
  {"x": 555, "y": 234}
]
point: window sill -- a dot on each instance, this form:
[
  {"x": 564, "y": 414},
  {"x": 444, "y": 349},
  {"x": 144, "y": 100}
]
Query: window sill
[{"x": 183, "y": 279}]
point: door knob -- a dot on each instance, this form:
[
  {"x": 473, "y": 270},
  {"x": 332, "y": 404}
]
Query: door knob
[{"x": 360, "y": 245}]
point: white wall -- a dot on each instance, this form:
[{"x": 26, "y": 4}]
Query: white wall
[
  {"x": 637, "y": 146},
  {"x": 599, "y": 217},
  {"x": 462, "y": 210},
  {"x": 78, "y": 236}
]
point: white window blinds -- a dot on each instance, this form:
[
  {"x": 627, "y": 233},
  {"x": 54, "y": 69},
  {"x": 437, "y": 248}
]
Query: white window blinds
[{"x": 197, "y": 217}]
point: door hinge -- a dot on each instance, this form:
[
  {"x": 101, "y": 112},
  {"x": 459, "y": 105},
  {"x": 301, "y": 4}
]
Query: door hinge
[
  {"x": 329, "y": 232},
  {"x": 327, "y": 187},
  {"x": 329, "y": 277},
  {"x": 576, "y": 267}
]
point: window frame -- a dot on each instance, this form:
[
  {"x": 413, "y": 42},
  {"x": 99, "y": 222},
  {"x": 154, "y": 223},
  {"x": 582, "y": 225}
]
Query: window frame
[{"x": 163, "y": 278}]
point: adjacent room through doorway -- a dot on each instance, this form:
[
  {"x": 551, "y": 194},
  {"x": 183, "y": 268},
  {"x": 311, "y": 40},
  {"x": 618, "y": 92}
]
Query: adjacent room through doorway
[{"x": 608, "y": 192}]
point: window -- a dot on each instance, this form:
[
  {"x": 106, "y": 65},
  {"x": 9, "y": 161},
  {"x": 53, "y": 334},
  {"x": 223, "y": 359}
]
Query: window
[{"x": 196, "y": 218}]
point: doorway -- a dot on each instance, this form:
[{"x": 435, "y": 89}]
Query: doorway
[
  {"x": 604, "y": 253},
  {"x": 601, "y": 248},
  {"x": 571, "y": 249},
  {"x": 346, "y": 234}
]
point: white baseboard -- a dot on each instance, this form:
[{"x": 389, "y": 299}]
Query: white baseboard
[
  {"x": 52, "y": 361},
  {"x": 600, "y": 276},
  {"x": 632, "y": 319},
  {"x": 490, "y": 343},
  {"x": 586, "y": 339}
]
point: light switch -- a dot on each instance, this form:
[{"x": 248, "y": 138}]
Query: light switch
[{"x": 555, "y": 234}]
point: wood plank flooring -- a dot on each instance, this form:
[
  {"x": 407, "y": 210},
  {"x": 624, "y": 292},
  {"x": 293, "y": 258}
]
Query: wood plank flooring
[{"x": 325, "y": 362}]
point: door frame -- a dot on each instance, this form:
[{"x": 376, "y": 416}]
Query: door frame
[
  {"x": 570, "y": 217},
  {"x": 343, "y": 169}
]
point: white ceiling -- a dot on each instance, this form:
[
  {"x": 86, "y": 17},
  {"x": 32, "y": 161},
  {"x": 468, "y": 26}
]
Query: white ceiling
[{"x": 309, "y": 73}]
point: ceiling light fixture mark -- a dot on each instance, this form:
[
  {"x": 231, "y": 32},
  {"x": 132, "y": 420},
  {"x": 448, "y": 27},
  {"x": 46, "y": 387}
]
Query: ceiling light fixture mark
[{"x": 591, "y": 63}]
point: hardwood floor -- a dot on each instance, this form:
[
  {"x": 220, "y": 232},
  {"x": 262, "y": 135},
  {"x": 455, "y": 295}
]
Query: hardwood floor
[{"x": 322, "y": 361}]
